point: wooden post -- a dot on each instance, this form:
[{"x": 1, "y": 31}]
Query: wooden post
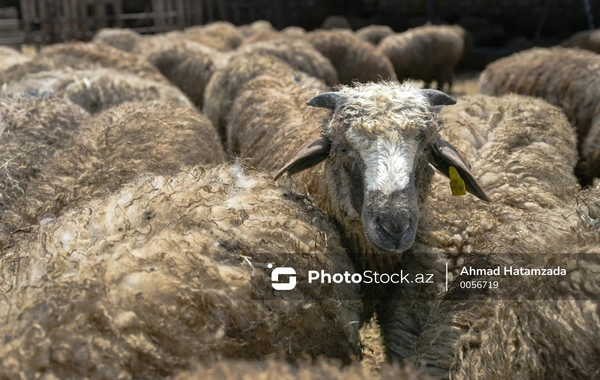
[{"x": 158, "y": 10}]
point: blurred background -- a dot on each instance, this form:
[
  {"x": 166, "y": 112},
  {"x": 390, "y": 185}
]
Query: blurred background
[{"x": 499, "y": 27}]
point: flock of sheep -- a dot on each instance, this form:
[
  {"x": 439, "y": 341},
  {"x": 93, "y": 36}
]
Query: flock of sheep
[{"x": 144, "y": 195}]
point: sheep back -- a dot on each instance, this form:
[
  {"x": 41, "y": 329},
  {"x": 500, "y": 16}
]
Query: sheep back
[
  {"x": 106, "y": 151},
  {"x": 122, "y": 39},
  {"x": 587, "y": 39},
  {"x": 353, "y": 58},
  {"x": 220, "y": 35},
  {"x": 573, "y": 85},
  {"x": 158, "y": 275},
  {"x": 224, "y": 85},
  {"x": 374, "y": 33},
  {"x": 83, "y": 56}
]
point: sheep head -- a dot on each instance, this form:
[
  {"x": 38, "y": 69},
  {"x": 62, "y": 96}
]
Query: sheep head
[{"x": 379, "y": 143}]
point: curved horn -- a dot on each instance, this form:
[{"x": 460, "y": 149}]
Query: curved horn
[
  {"x": 327, "y": 100},
  {"x": 438, "y": 98}
]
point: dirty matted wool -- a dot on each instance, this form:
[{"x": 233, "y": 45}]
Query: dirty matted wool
[
  {"x": 33, "y": 131},
  {"x": 109, "y": 150},
  {"x": 523, "y": 151},
  {"x": 353, "y": 58},
  {"x": 226, "y": 83},
  {"x": 99, "y": 89},
  {"x": 83, "y": 56},
  {"x": 274, "y": 369},
  {"x": 568, "y": 78},
  {"x": 157, "y": 275},
  {"x": 220, "y": 35},
  {"x": 9, "y": 57}
]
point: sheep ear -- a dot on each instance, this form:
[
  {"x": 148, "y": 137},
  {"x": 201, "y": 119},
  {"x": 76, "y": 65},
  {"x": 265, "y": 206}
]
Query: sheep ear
[
  {"x": 312, "y": 152},
  {"x": 328, "y": 100},
  {"x": 438, "y": 98},
  {"x": 442, "y": 155}
]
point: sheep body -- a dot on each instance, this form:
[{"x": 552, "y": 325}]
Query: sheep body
[
  {"x": 33, "y": 131},
  {"x": 374, "y": 33},
  {"x": 300, "y": 55},
  {"x": 225, "y": 84},
  {"x": 571, "y": 84},
  {"x": 427, "y": 53},
  {"x": 534, "y": 327},
  {"x": 99, "y": 89},
  {"x": 10, "y": 57},
  {"x": 220, "y": 35},
  {"x": 187, "y": 64},
  {"x": 259, "y": 26},
  {"x": 513, "y": 141},
  {"x": 353, "y": 58},
  {"x": 83, "y": 56},
  {"x": 158, "y": 275},
  {"x": 587, "y": 39},
  {"x": 268, "y": 35},
  {"x": 122, "y": 39},
  {"x": 335, "y": 22},
  {"x": 103, "y": 153},
  {"x": 294, "y": 31}
]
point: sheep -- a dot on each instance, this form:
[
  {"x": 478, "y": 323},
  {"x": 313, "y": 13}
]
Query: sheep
[
  {"x": 106, "y": 151},
  {"x": 427, "y": 53},
  {"x": 587, "y": 39},
  {"x": 268, "y": 35},
  {"x": 300, "y": 55},
  {"x": 374, "y": 33},
  {"x": 259, "y": 26},
  {"x": 538, "y": 327},
  {"x": 348, "y": 186},
  {"x": 33, "y": 131},
  {"x": 187, "y": 64},
  {"x": 98, "y": 90},
  {"x": 220, "y": 35},
  {"x": 225, "y": 83},
  {"x": 10, "y": 57},
  {"x": 294, "y": 31},
  {"x": 564, "y": 77},
  {"x": 265, "y": 104},
  {"x": 83, "y": 56},
  {"x": 513, "y": 141},
  {"x": 353, "y": 58},
  {"x": 277, "y": 369},
  {"x": 171, "y": 270},
  {"x": 122, "y": 39},
  {"x": 335, "y": 22}
]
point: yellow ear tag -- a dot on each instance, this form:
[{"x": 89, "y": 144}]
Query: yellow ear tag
[{"x": 456, "y": 183}]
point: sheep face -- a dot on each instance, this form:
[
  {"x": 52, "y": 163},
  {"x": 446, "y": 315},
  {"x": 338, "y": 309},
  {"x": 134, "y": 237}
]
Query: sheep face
[{"x": 378, "y": 144}]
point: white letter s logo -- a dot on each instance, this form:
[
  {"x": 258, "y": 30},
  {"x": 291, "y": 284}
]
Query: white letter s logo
[{"x": 283, "y": 285}]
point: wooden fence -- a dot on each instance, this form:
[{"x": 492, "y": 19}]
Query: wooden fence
[{"x": 49, "y": 21}]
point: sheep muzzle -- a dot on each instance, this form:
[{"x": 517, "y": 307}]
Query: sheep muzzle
[{"x": 390, "y": 221}]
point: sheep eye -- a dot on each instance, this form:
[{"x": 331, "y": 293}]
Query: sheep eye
[
  {"x": 344, "y": 150},
  {"x": 420, "y": 136}
]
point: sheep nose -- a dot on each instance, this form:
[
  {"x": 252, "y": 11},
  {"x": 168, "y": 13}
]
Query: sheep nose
[{"x": 393, "y": 232}]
